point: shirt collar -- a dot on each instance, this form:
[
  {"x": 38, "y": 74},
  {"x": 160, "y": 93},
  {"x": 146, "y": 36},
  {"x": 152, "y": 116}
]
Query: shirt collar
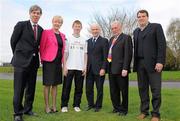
[
  {"x": 142, "y": 28},
  {"x": 95, "y": 38},
  {"x": 32, "y": 23}
]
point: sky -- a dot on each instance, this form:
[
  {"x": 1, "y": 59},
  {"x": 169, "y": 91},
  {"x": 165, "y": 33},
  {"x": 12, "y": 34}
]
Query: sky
[{"x": 12, "y": 11}]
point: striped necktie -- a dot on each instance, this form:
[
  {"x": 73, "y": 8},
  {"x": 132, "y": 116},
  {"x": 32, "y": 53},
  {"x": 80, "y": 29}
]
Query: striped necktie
[
  {"x": 35, "y": 31},
  {"x": 109, "y": 58}
]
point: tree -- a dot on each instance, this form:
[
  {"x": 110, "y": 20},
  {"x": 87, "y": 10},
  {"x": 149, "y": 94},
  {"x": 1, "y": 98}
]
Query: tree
[
  {"x": 127, "y": 19},
  {"x": 170, "y": 60},
  {"x": 173, "y": 39}
]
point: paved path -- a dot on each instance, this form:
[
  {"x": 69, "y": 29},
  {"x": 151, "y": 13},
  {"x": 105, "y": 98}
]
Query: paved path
[{"x": 169, "y": 84}]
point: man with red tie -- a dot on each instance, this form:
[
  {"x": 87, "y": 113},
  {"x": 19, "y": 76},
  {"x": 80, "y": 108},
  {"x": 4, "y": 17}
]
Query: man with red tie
[
  {"x": 25, "y": 41},
  {"x": 119, "y": 59}
]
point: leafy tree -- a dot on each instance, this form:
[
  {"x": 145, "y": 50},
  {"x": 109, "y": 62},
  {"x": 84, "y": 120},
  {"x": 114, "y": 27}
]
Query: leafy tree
[
  {"x": 170, "y": 60},
  {"x": 173, "y": 38}
]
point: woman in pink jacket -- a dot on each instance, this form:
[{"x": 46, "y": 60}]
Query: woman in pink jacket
[{"x": 51, "y": 52}]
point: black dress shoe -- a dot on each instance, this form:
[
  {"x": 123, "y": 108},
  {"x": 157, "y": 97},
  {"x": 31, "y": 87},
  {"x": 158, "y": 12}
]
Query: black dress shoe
[
  {"x": 96, "y": 109},
  {"x": 122, "y": 113},
  {"x": 115, "y": 111},
  {"x": 18, "y": 118},
  {"x": 30, "y": 113},
  {"x": 89, "y": 108}
]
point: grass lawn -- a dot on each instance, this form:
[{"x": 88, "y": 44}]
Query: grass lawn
[
  {"x": 170, "y": 110},
  {"x": 166, "y": 75}
]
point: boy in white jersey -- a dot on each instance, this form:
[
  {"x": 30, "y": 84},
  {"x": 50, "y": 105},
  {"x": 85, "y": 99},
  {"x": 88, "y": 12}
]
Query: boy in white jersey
[{"x": 75, "y": 61}]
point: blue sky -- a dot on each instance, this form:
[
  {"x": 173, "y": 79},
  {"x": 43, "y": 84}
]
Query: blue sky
[{"x": 12, "y": 11}]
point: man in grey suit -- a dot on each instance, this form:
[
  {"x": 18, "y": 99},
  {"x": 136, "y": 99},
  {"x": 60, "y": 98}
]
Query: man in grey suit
[
  {"x": 149, "y": 58},
  {"x": 119, "y": 58}
]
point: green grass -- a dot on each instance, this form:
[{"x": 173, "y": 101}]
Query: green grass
[
  {"x": 166, "y": 75},
  {"x": 6, "y": 69},
  {"x": 170, "y": 110},
  {"x": 10, "y": 69}
]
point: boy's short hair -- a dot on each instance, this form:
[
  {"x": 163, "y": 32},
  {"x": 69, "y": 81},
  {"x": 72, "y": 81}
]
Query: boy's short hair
[{"x": 77, "y": 22}]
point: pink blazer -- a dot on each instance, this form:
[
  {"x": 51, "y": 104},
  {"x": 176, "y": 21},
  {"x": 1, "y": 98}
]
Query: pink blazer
[{"x": 49, "y": 46}]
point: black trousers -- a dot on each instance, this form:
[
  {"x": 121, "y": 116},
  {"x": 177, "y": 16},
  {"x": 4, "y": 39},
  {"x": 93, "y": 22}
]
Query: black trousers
[
  {"x": 78, "y": 80},
  {"x": 90, "y": 80},
  {"x": 24, "y": 82},
  {"x": 145, "y": 80},
  {"x": 119, "y": 92}
]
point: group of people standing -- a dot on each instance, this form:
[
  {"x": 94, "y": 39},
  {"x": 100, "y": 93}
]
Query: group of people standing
[{"x": 68, "y": 58}]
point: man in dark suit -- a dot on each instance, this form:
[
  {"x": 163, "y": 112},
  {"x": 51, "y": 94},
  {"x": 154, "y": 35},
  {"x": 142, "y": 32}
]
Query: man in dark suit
[
  {"x": 149, "y": 58},
  {"x": 25, "y": 46},
  {"x": 119, "y": 58},
  {"x": 96, "y": 66}
]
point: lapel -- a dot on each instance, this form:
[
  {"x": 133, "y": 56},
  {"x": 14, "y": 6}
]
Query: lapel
[
  {"x": 91, "y": 42},
  {"x": 39, "y": 33},
  {"x": 30, "y": 29},
  {"x": 120, "y": 37},
  {"x": 53, "y": 36},
  {"x": 136, "y": 34},
  {"x": 146, "y": 30}
]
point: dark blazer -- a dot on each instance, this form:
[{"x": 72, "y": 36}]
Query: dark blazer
[
  {"x": 154, "y": 46},
  {"x": 23, "y": 44},
  {"x": 121, "y": 53},
  {"x": 97, "y": 55}
]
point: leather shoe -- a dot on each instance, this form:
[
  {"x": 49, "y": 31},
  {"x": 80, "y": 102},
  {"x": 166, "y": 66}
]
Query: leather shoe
[
  {"x": 30, "y": 113},
  {"x": 142, "y": 116},
  {"x": 18, "y": 118},
  {"x": 122, "y": 113},
  {"x": 155, "y": 119},
  {"x": 96, "y": 109},
  {"x": 89, "y": 108},
  {"x": 115, "y": 111}
]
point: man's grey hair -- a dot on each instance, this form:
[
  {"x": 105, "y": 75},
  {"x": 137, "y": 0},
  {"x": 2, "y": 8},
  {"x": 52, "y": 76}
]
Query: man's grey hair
[
  {"x": 116, "y": 22},
  {"x": 35, "y": 8}
]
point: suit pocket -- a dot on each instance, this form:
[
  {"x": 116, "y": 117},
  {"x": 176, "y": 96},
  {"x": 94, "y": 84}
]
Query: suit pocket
[{"x": 23, "y": 54}]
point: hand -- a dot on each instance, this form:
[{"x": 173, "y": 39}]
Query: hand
[
  {"x": 124, "y": 73},
  {"x": 159, "y": 67},
  {"x": 65, "y": 71},
  {"x": 83, "y": 72},
  {"x": 102, "y": 72}
]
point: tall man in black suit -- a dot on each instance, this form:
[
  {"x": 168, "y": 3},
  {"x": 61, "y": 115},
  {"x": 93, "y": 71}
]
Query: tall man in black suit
[
  {"x": 149, "y": 58},
  {"x": 119, "y": 58},
  {"x": 96, "y": 66},
  {"x": 25, "y": 46}
]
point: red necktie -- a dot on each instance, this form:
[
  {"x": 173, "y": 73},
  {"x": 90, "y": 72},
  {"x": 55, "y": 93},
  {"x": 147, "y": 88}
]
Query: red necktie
[{"x": 35, "y": 31}]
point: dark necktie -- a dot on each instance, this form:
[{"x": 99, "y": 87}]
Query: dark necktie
[
  {"x": 94, "y": 41},
  {"x": 35, "y": 31}
]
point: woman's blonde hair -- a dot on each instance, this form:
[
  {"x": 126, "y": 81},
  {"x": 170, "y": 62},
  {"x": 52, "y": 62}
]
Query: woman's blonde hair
[{"x": 58, "y": 17}]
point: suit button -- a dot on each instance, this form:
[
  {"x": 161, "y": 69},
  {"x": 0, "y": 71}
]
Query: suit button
[{"x": 34, "y": 54}]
